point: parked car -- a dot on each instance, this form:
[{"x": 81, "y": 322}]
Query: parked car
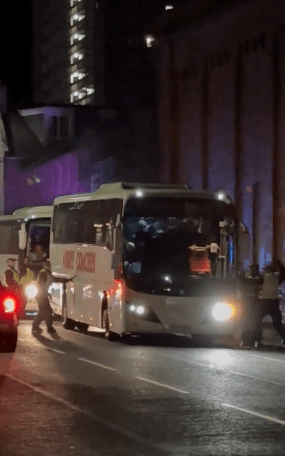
[{"x": 8, "y": 321}]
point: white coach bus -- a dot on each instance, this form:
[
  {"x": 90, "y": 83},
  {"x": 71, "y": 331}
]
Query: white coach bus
[
  {"x": 21, "y": 232},
  {"x": 143, "y": 258}
]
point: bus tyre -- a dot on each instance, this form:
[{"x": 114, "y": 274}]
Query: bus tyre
[
  {"x": 83, "y": 327},
  {"x": 10, "y": 341},
  {"x": 67, "y": 323},
  {"x": 108, "y": 334}
]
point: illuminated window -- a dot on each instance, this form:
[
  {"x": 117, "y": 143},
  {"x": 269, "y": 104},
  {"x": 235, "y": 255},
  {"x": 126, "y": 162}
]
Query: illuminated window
[
  {"x": 168, "y": 7},
  {"x": 76, "y": 18},
  {"x": 149, "y": 40},
  {"x": 76, "y": 57},
  {"x": 76, "y": 76},
  {"x": 88, "y": 90},
  {"x": 77, "y": 37}
]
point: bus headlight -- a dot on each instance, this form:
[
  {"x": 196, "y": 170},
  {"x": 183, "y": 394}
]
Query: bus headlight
[
  {"x": 31, "y": 291},
  {"x": 137, "y": 310},
  {"x": 223, "y": 311},
  {"x": 143, "y": 312}
]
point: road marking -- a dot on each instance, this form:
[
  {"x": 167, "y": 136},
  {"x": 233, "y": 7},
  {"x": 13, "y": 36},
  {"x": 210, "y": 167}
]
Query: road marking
[
  {"x": 115, "y": 427},
  {"x": 259, "y": 415},
  {"x": 255, "y": 378},
  {"x": 163, "y": 385},
  {"x": 96, "y": 364},
  {"x": 49, "y": 348},
  {"x": 55, "y": 350},
  {"x": 218, "y": 368},
  {"x": 269, "y": 359}
]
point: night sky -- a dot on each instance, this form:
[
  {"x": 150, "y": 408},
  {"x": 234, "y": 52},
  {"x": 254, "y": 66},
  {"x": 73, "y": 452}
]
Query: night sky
[{"x": 16, "y": 38}]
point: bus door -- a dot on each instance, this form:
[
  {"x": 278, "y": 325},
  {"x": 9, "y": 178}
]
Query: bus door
[
  {"x": 115, "y": 305},
  {"x": 38, "y": 242}
]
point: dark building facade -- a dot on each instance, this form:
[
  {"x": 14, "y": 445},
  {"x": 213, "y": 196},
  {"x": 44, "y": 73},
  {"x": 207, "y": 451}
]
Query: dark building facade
[{"x": 222, "y": 111}]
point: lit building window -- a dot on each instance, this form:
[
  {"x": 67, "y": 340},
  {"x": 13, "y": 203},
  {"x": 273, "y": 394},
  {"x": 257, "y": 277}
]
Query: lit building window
[
  {"x": 76, "y": 57},
  {"x": 76, "y": 18},
  {"x": 76, "y": 76},
  {"x": 149, "y": 40},
  {"x": 77, "y": 37},
  {"x": 168, "y": 7}
]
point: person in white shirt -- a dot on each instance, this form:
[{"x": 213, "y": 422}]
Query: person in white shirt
[{"x": 269, "y": 297}]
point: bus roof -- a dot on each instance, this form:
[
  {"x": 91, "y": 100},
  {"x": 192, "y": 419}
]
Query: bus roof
[
  {"x": 124, "y": 190},
  {"x": 34, "y": 212},
  {"x": 28, "y": 213}
]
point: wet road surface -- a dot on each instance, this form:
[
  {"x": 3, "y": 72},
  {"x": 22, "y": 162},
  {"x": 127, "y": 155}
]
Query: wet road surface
[{"x": 78, "y": 394}]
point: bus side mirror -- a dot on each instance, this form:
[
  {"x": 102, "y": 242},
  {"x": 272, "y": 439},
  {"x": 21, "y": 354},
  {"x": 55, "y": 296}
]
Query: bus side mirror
[
  {"x": 22, "y": 237},
  {"x": 119, "y": 221},
  {"x": 113, "y": 260}
]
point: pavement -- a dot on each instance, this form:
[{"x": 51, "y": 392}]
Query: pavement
[{"x": 78, "y": 394}]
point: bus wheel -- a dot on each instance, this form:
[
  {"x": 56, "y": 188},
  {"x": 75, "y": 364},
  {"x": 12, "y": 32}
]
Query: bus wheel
[
  {"x": 83, "y": 327},
  {"x": 108, "y": 334},
  {"x": 67, "y": 323}
]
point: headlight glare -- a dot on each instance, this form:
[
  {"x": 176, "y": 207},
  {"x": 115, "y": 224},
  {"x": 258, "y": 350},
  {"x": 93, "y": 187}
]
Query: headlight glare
[
  {"x": 223, "y": 311},
  {"x": 31, "y": 291},
  {"x": 9, "y": 305}
]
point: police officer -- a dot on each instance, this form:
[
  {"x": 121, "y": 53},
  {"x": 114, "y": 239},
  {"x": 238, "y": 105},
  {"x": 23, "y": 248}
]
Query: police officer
[
  {"x": 12, "y": 276},
  {"x": 45, "y": 310}
]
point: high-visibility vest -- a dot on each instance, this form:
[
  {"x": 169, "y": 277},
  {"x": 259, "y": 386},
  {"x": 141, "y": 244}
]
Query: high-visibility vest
[
  {"x": 27, "y": 278},
  {"x": 199, "y": 261}
]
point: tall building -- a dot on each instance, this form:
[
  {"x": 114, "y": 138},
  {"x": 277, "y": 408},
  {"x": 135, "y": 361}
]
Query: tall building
[
  {"x": 94, "y": 52},
  {"x": 50, "y": 53}
]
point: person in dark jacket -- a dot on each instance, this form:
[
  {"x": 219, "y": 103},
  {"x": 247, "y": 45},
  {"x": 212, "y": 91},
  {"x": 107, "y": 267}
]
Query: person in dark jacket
[
  {"x": 45, "y": 310},
  {"x": 250, "y": 285}
]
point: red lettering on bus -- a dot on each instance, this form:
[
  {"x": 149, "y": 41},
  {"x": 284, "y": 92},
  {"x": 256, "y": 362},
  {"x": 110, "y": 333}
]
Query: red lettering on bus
[
  {"x": 68, "y": 259},
  {"x": 85, "y": 261}
]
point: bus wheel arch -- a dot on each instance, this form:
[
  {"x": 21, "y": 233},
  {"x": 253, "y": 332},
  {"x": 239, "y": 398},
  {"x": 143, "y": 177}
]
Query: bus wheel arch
[
  {"x": 110, "y": 335},
  {"x": 67, "y": 323}
]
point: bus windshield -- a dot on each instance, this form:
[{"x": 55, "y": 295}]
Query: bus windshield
[{"x": 169, "y": 241}]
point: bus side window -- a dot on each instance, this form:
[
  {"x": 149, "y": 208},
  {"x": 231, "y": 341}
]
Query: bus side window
[{"x": 110, "y": 210}]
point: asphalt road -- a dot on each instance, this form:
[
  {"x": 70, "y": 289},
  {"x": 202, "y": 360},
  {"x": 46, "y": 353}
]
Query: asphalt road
[{"x": 77, "y": 394}]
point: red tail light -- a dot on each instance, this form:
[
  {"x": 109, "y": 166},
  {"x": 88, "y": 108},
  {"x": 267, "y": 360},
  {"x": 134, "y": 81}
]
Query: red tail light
[{"x": 9, "y": 304}]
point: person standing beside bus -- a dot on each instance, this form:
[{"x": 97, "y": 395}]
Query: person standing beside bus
[
  {"x": 249, "y": 287},
  {"x": 12, "y": 276},
  {"x": 45, "y": 310},
  {"x": 269, "y": 296}
]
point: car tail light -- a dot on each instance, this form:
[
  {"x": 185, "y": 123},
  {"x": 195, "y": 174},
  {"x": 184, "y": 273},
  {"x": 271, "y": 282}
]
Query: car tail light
[{"x": 9, "y": 305}]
